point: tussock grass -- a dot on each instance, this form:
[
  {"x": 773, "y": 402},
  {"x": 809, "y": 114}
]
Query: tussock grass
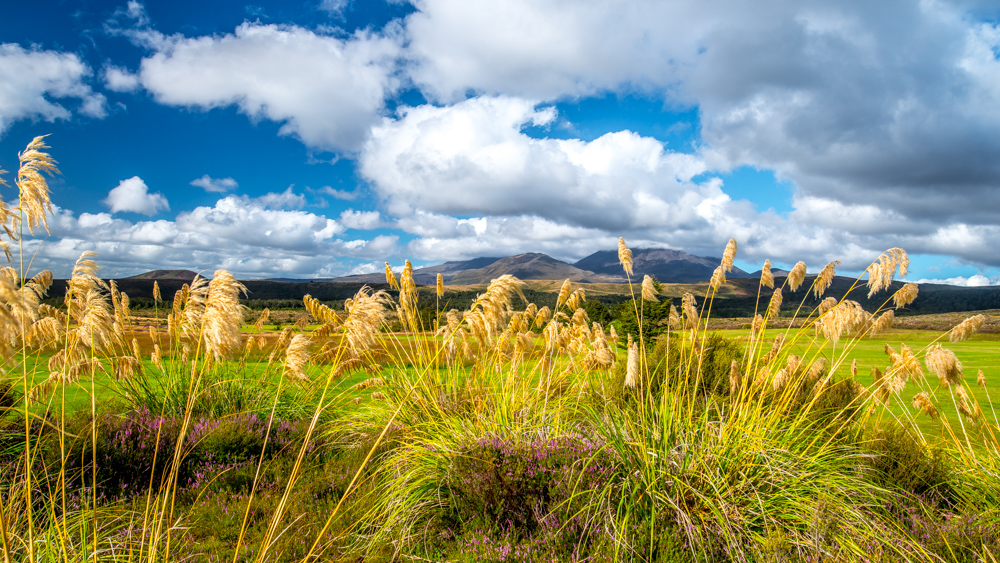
[{"x": 499, "y": 433}]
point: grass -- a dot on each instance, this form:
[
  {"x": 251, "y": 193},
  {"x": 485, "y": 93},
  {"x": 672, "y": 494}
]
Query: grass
[{"x": 507, "y": 435}]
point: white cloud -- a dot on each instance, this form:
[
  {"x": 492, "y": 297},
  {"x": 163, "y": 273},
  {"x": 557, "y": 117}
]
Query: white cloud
[
  {"x": 119, "y": 79},
  {"x": 30, "y": 79},
  {"x": 361, "y": 220},
  {"x": 238, "y": 233},
  {"x": 325, "y": 90},
  {"x": 133, "y": 195},
  {"x": 216, "y": 185},
  {"x": 284, "y": 200},
  {"x": 473, "y": 158},
  {"x": 975, "y": 280}
]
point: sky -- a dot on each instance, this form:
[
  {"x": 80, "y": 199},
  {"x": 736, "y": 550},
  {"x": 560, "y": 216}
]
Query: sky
[{"x": 319, "y": 138}]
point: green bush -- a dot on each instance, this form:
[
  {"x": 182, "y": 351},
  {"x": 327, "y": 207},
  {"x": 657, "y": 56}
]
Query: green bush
[{"x": 899, "y": 461}]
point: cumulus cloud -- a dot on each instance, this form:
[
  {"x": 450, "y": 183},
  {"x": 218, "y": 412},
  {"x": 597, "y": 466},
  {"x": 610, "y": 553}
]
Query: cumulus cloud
[
  {"x": 216, "y": 185},
  {"x": 119, "y": 79},
  {"x": 325, "y": 90},
  {"x": 976, "y": 280},
  {"x": 133, "y": 195},
  {"x": 472, "y": 157},
  {"x": 361, "y": 220},
  {"x": 889, "y": 105},
  {"x": 30, "y": 79},
  {"x": 242, "y": 234}
]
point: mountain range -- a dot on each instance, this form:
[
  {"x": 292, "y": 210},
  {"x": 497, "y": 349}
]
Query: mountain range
[{"x": 668, "y": 266}]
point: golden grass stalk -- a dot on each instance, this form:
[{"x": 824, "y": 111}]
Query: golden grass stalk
[
  {"x": 825, "y": 278},
  {"x": 689, "y": 311},
  {"x": 624, "y": 256},
  {"x": 796, "y": 276},
  {"x": 966, "y": 328},
  {"x": 906, "y": 295},
  {"x": 964, "y": 403},
  {"x": 981, "y": 379},
  {"x": 943, "y": 363},
  {"x": 157, "y": 296},
  {"x": 440, "y": 285},
  {"x": 648, "y": 290},
  {"x": 264, "y": 316},
  {"x": 766, "y": 277},
  {"x": 729, "y": 255},
  {"x": 35, "y": 204}
]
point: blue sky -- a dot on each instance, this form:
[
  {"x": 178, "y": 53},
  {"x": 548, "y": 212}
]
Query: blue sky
[{"x": 320, "y": 138}]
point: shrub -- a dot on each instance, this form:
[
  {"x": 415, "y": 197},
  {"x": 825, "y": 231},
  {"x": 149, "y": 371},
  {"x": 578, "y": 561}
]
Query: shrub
[{"x": 899, "y": 461}]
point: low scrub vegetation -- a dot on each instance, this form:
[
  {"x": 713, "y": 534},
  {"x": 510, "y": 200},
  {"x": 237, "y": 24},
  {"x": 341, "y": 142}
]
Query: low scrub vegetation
[{"x": 510, "y": 431}]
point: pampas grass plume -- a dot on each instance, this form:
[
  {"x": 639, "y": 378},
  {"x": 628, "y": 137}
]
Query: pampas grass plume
[
  {"x": 632, "y": 366},
  {"x": 729, "y": 255},
  {"x": 825, "y": 278},
  {"x": 943, "y": 363},
  {"x": 966, "y": 328},
  {"x": 33, "y": 189},
  {"x": 718, "y": 278},
  {"x": 796, "y": 276},
  {"x": 906, "y": 295},
  {"x": 624, "y": 256},
  {"x": 648, "y": 290},
  {"x": 774, "y": 305},
  {"x": 766, "y": 277},
  {"x": 440, "y": 285},
  {"x": 981, "y": 379}
]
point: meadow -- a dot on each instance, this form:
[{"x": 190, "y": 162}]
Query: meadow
[{"x": 510, "y": 431}]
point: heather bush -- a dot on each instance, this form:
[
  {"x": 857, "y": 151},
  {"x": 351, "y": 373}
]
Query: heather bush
[{"x": 518, "y": 501}]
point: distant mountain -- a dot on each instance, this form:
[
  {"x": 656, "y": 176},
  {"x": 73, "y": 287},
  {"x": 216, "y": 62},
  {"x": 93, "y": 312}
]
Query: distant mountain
[
  {"x": 668, "y": 266},
  {"x": 530, "y": 266},
  {"x": 184, "y": 275}
]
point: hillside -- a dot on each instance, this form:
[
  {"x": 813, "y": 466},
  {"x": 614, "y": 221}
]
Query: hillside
[{"x": 668, "y": 266}]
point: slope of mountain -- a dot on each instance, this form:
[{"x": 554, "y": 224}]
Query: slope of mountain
[
  {"x": 530, "y": 266},
  {"x": 185, "y": 275},
  {"x": 669, "y": 266}
]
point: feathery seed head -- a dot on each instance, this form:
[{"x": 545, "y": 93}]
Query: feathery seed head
[
  {"x": 564, "y": 292},
  {"x": 632, "y": 366},
  {"x": 156, "y": 292},
  {"x": 624, "y": 256},
  {"x": 223, "y": 315},
  {"x": 943, "y": 363},
  {"x": 735, "y": 378},
  {"x": 729, "y": 255},
  {"x": 825, "y": 278},
  {"x": 796, "y": 276},
  {"x": 648, "y": 291},
  {"x": 766, "y": 277},
  {"x": 981, "y": 379},
  {"x": 774, "y": 305},
  {"x": 966, "y": 328},
  {"x": 296, "y": 357},
  {"x": 905, "y": 295},
  {"x": 390, "y": 278},
  {"x": 718, "y": 278},
  {"x": 33, "y": 189},
  {"x": 440, "y": 285},
  {"x": 923, "y": 402},
  {"x": 882, "y": 271}
]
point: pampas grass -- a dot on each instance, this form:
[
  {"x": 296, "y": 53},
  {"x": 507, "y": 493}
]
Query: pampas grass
[
  {"x": 648, "y": 290},
  {"x": 624, "y": 256},
  {"x": 825, "y": 279},
  {"x": 766, "y": 277},
  {"x": 966, "y": 328},
  {"x": 943, "y": 363},
  {"x": 796, "y": 276}
]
